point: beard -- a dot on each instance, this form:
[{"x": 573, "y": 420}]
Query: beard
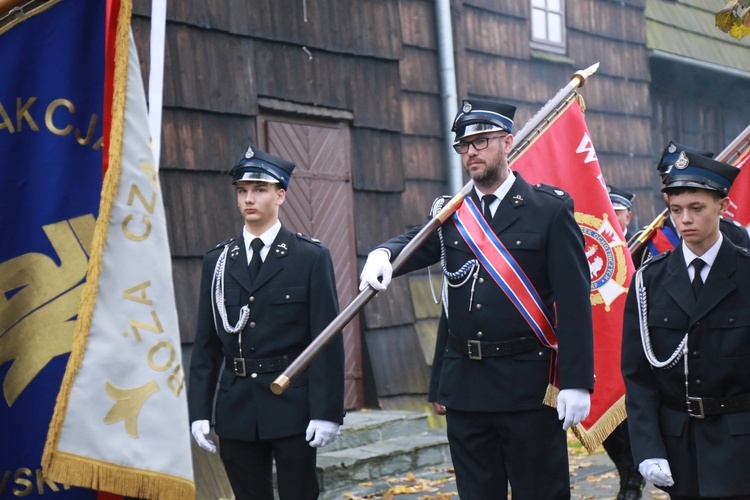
[{"x": 489, "y": 177}]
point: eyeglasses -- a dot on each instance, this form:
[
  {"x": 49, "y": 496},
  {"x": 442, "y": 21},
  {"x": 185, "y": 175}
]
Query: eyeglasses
[{"x": 479, "y": 144}]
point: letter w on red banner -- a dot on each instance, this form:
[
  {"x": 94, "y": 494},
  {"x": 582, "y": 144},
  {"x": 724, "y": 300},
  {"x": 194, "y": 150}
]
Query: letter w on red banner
[{"x": 564, "y": 156}]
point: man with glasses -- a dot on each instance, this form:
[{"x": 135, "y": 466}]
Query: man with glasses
[{"x": 492, "y": 367}]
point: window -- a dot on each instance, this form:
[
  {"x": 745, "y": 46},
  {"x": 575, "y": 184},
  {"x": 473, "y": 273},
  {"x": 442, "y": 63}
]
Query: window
[{"x": 548, "y": 25}]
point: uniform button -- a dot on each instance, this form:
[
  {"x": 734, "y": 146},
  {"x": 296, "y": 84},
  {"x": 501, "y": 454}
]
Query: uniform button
[
  {"x": 252, "y": 299},
  {"x": 697, "y": 323},
  {"x": 666, "y": 320},
  {"x": 518, "y": 242},
  {"x": 481, "y": 280},
  {"x": 254, "y": 375},
  {"x": 698, "y": 382},
  {"x": 252, "y": 350},
  {"x": 731, "y": 320},
  {"x": 455, "y": 243},
  {"x": 252, "y": 324},
  {"x": 696, "y": 354},
  {"x": 541, "y": 353},
  {"x": 287, "y": 297},
  {"x": 479, "y": 334},
  {"x": 479, "y": 307}
]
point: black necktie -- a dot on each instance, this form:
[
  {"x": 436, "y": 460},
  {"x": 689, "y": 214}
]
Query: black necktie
[
  {"x": 697, "y": 280},
  {"x": 487, "y": 201},
  {"x": 255, "y": 260}
]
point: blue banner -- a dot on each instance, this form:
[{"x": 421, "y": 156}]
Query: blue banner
[{"x": 51, "y": 130}]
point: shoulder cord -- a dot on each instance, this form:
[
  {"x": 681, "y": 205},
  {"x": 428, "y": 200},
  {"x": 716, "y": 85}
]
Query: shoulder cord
[
  {"x": 469, "y": 270},
  {"x": 646, "y": 335},
  {"x": 217, "y": 285}
]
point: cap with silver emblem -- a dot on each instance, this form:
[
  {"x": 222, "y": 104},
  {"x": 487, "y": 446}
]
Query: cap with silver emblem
[
  {"x": 259, "y": 166},
  {"x": 696, "y": 171},
  {"x": 477, "y": 116},
  {"x": 672, "y": 152}
]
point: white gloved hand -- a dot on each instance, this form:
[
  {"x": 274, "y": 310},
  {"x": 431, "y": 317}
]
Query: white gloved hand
[
  {"x": 378, "y": 264},
  {"x": 321, "y": 432},
  {"x": 657, "y": 471},
  {"x": 200, "y": 429},
  {"x": 573, "y": 406}
]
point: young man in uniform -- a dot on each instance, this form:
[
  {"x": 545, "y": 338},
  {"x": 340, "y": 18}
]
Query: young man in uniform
[
  {"x": 493, "y": 366},
  {"x": 264, "y": 296},
  {"x": 686, "y": 346}
]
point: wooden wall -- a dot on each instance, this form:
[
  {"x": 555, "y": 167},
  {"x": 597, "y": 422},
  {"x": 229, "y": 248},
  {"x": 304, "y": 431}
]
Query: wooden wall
[{"x": 376, "y": 63}]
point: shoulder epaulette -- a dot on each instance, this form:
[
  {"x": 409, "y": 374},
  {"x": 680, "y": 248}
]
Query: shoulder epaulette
[
  {"x": 656, "y": 258},
  {"x": 222, "y": 244},
  {"x": 309, "y": 239},
  {"x": 552, "y": 190}
]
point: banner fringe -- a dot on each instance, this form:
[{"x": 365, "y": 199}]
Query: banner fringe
[
  {"x": 604, "y": 426},
  {"x": 608, "y": 422},
  {"x": 121, "y": 480},
  {"x": 109, "y": 193}
]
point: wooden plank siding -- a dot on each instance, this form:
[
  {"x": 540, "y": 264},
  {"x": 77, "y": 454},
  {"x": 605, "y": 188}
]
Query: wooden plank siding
[{"x": 373, "y": 66}]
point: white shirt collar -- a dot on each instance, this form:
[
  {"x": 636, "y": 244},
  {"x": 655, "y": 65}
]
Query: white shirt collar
[
  {"x": 709, "y": 257},
  {"x": 267, "y": 237},
  {"x": 500, "y": 192}
]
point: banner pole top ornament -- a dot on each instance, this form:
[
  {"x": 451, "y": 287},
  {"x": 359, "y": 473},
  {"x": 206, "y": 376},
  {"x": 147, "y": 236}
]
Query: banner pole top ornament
[{"x": 584, "y": 74}]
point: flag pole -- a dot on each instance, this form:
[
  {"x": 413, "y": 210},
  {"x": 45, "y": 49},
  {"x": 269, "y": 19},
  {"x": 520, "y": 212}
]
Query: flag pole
[
  {"x": 522, "y": 140},
  {"x": 733, "y": 152}
]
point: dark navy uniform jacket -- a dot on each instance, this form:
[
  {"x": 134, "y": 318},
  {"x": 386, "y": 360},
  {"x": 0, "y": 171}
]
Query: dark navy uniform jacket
[
  {"x": 536, "y": 224},
  {"x": 293, "y": 300},
  {"x": 708, "y": 457}
]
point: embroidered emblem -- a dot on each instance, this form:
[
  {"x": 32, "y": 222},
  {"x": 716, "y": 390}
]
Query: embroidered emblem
[
  {"x": 605, "y": 252},
  {"x": 249, "y": 153}
]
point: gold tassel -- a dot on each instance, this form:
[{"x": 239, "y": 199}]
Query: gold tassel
[{"x": 581, "y": 103}]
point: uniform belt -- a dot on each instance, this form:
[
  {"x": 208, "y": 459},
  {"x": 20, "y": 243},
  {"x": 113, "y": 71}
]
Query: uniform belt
[
  {"x": 242, "y": 366},
  {"x": 477, "y": 349},
  {"x": 700, "y": 407}
]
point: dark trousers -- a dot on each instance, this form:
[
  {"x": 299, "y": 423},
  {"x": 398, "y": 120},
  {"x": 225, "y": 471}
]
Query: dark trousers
[
  {"x": 618, "y": 448},
  {"x": 526, "y": 448},
  {"x": 249, "y": 466}
]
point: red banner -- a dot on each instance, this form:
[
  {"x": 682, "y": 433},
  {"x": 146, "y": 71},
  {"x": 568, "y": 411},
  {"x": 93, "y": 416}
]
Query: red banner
[
  {"x": 739, "y": 195},
  {"x": 564, "y": 156}
]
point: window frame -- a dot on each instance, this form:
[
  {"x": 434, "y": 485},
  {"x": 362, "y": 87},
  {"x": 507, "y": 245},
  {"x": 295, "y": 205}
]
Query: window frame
[{"x": 545, "y": 43}]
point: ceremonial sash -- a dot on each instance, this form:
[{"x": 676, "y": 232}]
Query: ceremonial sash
[
  {"x": 508, "y": 275},
  {"x": 663, "y": 239}
]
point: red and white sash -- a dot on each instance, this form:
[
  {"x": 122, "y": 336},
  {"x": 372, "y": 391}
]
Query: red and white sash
[{"x": 508, "y": 275}]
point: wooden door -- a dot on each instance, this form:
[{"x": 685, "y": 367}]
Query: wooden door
[{"x": 320, "y": 204}]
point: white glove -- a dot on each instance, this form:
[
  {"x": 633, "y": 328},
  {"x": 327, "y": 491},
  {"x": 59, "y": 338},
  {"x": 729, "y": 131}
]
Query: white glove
[
  {"x": 573, "y": 406},
  {"x": 321, "y": 432},
  {"x": 378, "y": 264},
  {"x": 657, "y": 471},
  {"x": 200, "y": 429}
]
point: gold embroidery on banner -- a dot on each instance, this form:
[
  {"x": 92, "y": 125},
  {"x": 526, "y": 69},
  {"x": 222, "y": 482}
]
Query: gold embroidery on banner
[
  {"x": 128, "y": 404},
  {"x": 39, "y": 303}
]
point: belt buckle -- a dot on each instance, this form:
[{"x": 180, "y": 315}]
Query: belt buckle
[
  {"x": 239, "y": 367},
  {"x": 691, "y": 411},
  {"x": 477, "y": 343}
]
